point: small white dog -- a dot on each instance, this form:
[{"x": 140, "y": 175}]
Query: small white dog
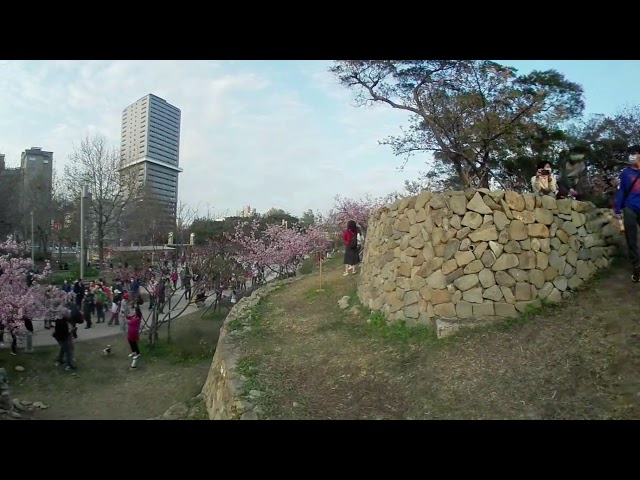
[{"x": 107, "y": 351}]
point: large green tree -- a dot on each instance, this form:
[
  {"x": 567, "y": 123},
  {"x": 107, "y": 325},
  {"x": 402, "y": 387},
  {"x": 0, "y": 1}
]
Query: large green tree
[
  {"x": 472, "y": 115},
  {"x": 604, "y": 141}
]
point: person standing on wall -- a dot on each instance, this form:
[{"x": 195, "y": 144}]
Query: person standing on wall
[
  {"x": 351, "y": 255},
  {"x": 544, "y": 182},
  {"x": 628, "y": 204}
]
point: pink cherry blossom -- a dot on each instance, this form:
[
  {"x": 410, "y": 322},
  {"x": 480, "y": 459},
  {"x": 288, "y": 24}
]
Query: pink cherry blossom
[
  {"x": 358, "y": 210},
  {"x": 278, "y": 248},
  {"x": 17, "y": 299}
]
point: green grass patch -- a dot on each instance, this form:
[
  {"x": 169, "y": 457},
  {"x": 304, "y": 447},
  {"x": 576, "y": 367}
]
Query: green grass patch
[
  {"x": 197, "y": 409},
  {"x": 399, "y": 331},
  {"x": 249, "y": 367},
  {"x": 189, "y": 346},
  {"x": 73, "y": 274},
  {"x": 335, "y": 262},
  {"x": 234, "y": 325},
  {"x": 307, "y": 266},
  {"x": 186, "y": 353},
  {"x": 250, "y": 319},
  {"x": 316, "y": 292}
]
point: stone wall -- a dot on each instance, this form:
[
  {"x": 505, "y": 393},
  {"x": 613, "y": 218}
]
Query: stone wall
[
  {"x": 224, "y": 391},
  {"x": 470, "y": 257}
]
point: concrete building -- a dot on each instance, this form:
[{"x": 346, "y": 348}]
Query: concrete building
[
  {"x": 37, "y": 185},
  {"x": 150, "y": 146},
  {"x": 246, "y": 212},
  {"x": 24, "y": 190},
  {"x": 10, "y": 208}
]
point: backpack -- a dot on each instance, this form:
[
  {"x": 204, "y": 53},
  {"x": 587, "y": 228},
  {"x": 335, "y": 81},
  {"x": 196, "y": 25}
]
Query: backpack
[{"x": 101, "y": 297}]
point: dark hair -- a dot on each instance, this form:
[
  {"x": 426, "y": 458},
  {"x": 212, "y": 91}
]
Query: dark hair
[
  {"x": 351, "y": 225},
  {"x": 542, "y": 164},
  {"x": 634, "y": 149}
]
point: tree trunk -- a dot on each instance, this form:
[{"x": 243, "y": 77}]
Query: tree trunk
[
  {"x": 100, "y": 243},
  {"x": 152, "y": 329},
  {"x": 169, "y": 323},
  {"x": 484, "y": 180}
]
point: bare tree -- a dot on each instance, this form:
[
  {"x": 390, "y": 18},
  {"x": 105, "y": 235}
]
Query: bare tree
[
  {"x": 145, "y": 220},
  {"x": 63, "y": 214},
  {"x": 36, "y": 201},
  {"x": 97, "y": 165},
  {"x": 184, "y": 218}
]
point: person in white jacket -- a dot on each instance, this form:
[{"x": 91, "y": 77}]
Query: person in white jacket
[{"x": 544, "y": 182}]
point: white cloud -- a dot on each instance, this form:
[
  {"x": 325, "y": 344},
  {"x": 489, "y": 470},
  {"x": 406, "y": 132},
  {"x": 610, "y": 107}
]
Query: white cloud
[{"x": 269, "y": 134}]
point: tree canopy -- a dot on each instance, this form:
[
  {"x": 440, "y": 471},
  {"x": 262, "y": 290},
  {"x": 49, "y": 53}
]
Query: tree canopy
[{"x": 478, "y": 118}]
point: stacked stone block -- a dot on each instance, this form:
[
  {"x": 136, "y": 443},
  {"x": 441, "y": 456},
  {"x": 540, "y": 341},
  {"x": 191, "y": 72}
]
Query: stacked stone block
[{"x": 478, "y": 255}]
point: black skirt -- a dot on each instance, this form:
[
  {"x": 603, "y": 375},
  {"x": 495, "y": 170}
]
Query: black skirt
[{"x": 351, "y": 256}]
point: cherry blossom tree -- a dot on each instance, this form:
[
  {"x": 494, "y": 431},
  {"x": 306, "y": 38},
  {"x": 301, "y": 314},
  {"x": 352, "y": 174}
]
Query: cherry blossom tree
[
  {"x": 358, "y": 210},
  {"x": 201, "y": 262},
  {"x": 21, "y": 298},
  {"x": 278, "y": 248}
]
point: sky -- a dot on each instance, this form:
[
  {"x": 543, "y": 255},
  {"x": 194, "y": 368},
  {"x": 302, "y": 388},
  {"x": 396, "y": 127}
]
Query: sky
[{"x": 265, "y": 133}]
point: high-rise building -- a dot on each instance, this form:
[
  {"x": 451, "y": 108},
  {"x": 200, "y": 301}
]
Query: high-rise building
[
  {"x": 36, "y": 191},
  {"x": 26, "y": 190},
  {"x": 150, "y": 146},
  {"x": 10, "y": 208}
]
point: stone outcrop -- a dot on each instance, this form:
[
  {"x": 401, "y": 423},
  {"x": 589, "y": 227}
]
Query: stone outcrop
[
  {"x": 14, "y": 409},
  {"x": 225, "y": 395},
  {"x": 449, "y": 259}
]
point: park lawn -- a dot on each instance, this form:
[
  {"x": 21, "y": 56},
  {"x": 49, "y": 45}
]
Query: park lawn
[{"x": 106, "y": 388}]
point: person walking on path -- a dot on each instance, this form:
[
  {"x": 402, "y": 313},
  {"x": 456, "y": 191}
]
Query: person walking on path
[
  {"x": 350, "y": 237},
  {"x": 13, "y": 331},
  {"x": 125, "y": 309},
  {"x": 62, "y": 332},
  {"x": 628, "y": 205},
  {"x": 133, "y": 335}
]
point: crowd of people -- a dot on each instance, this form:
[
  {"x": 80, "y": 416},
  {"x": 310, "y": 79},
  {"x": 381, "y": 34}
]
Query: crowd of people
[
  {"x": 123, "y": 300},
  {"x": 626, "y": 206}
]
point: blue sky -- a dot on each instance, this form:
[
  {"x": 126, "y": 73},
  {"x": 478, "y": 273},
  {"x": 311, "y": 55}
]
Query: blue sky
[{"x": 266, "y": 133}]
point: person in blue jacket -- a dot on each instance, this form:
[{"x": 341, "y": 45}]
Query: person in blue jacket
[{"x": 628, "y": 204}]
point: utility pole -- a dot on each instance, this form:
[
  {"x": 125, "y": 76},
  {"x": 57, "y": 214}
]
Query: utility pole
[
  {"x": 85, "y": 196},
  {"x": 33, "y": 261}
]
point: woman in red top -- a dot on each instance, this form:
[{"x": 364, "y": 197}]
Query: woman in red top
[
  {"x": 133, "y": 332},
  {"x": 350, "y": 237}
]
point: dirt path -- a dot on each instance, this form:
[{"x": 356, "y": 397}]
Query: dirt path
[
  {"x": 578, "y": 360},
  {"x": 105, "y": 387}
]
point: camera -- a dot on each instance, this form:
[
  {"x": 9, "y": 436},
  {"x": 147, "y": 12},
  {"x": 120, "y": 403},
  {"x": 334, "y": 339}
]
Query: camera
[{"x": 544, "y": 172}]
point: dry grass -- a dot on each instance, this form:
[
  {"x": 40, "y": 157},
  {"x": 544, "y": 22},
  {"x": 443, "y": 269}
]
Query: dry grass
[
  {"x": 576, "y": 361},
  {"x": 105, "y": 387}
]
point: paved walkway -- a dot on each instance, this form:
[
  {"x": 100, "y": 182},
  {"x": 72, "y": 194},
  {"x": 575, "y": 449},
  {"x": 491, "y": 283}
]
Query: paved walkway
[{"x": 42, "y": 337}]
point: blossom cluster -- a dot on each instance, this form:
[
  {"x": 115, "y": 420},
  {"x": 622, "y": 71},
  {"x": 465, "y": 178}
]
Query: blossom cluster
[{"x": 22, "y": 295}]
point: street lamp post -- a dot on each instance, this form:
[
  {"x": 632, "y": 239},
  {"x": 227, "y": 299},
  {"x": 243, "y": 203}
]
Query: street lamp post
[
  {"x": 33, "y": 258},
  {"x": 85, "y": 196}
]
